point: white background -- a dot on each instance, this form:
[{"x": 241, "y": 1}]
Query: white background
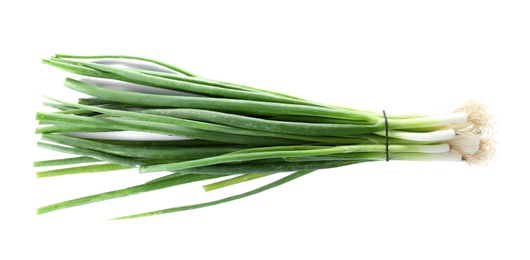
[{"x": 406, "y": 56}]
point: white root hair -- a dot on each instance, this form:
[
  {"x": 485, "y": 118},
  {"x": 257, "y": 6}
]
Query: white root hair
[
  {"x": 485, "y": 153},
  {"x": 480, "y": 126},
  {"x": 478, "y": 116}
]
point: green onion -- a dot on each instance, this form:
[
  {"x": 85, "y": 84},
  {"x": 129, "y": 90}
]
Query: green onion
[
  {"x": 93, "y": 154},
  {"x": 229, "y": 130},
  {"x": 216, "y": 202},
  {"x": 125, "y": 192},
  {"x": 141, "y": 152},
  {"x": 232, "y": 181},
  {"x": 66, "y": 161},
  {"x": 163, "y": 64},
  {"x": 82, "y": 169}
]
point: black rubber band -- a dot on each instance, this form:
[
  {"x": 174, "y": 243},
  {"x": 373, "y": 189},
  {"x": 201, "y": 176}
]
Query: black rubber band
[{"x": 386, "y": 136}]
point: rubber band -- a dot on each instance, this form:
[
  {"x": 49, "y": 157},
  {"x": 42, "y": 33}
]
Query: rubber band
[{"x": 386, "y": 136}]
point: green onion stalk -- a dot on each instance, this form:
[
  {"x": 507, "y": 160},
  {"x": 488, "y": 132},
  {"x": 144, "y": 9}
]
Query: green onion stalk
[{"x": 209, "y": 129}]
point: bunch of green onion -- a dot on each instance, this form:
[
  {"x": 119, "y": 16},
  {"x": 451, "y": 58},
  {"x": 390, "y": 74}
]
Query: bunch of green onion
[{"x": 211, "y": 129}]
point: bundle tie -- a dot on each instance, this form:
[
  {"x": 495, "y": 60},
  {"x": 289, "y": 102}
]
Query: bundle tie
[{"x": 386, "y": 136}]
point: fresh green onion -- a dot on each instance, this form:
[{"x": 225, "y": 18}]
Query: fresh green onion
[
  {"x": 216, "y": 202},
  {"x": 66, "y": 161},
  {"x": 232, "y": 181},
  {"x": 105, "y": 167},
  {"x": 229, "y": 130},
  {"x": 125, "y": 192}
]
